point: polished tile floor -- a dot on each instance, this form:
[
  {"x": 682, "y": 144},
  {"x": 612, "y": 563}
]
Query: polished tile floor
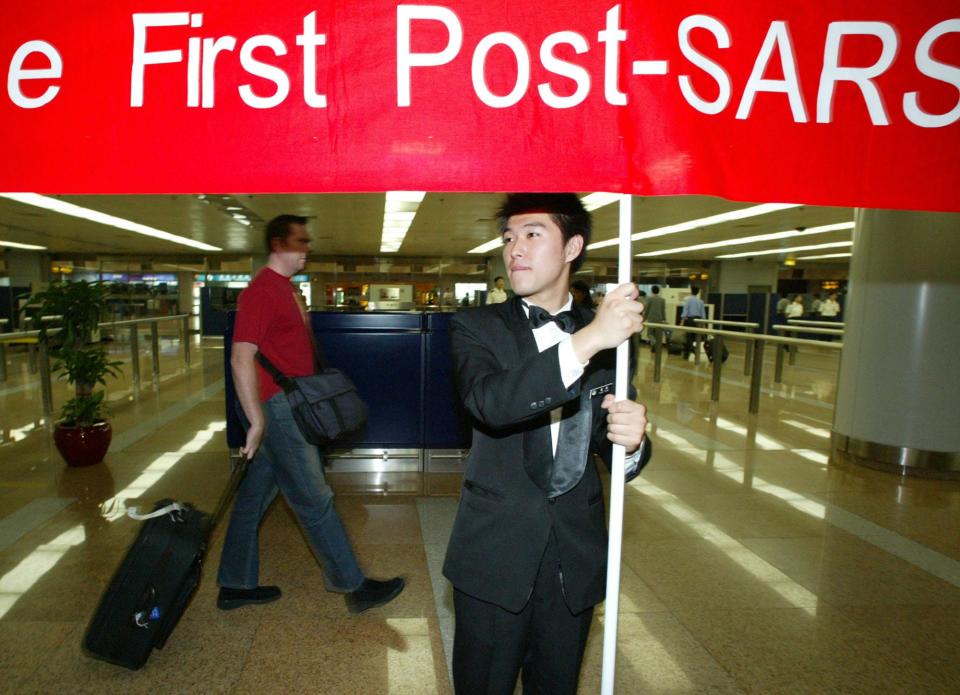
[{"x": 752, "y": 563}]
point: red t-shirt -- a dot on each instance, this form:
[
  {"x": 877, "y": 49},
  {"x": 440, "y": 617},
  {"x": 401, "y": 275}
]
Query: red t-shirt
[{"x": 269, "y": 316}]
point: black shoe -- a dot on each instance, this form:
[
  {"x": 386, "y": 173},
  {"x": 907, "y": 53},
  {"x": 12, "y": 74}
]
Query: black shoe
[
  {"x": 373, "y": 593},
  {"x": 228, "y": 599}
]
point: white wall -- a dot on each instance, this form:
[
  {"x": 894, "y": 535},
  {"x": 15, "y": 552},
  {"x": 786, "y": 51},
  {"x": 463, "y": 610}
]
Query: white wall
[{"x": 737, "y": 275}]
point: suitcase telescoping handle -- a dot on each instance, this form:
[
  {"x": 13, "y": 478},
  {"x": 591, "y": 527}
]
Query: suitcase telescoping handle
[
  {"x": 175, "y": 509},
  {"x": 236, "y": 477}
]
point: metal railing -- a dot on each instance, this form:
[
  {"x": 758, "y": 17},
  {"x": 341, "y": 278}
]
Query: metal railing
[
  {"x": 748, "y": 326},
  {"x": 759, "y": 341},
  {"x": 804, "y": 329},
  {"x": 40, "y": 358},
  {"x": 133, "y": 326},
  {"x": 822, "y": 324}
]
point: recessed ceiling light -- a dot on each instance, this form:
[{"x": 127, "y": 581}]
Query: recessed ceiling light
[
  {"x": 824, "y": 256},
  {"x": 65, "y": 208},
  {"x": 25, "y": 247},
  {"x": 399, "y": 209},
  {"x": 787, "y": 234},
  {"x": 598, "y": 200},
  {"x": 488, "y": 246},
  {"x": 768, "y": 252},
  {"x": 739, "y": 214}
]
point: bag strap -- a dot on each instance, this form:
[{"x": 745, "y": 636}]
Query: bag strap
[
  {"x": 279, "y": 378},
  {"x": 134, "y": 512},
  {"x": 174, "y": 508},
  {"x": 319, "y": 358}
]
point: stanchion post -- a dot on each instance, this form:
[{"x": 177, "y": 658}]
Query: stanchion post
[
  {"x": 3, "y": 362},
  {"x": 32, "y": 357},
  {"x": 793, "y": 353},
  {"x": 757, "y": 374},
  {"x": 135, "y": 357},
  {"x": 155, "y": 351},
  {"x": 748, "y": 352},
  {"x": 46, "y": 390},
  {"x": 658, "y": 355},
  {"x": 778, "y": 370},
  {"x": 185, "y": 340},
  {"x": 717, "y": 367}
]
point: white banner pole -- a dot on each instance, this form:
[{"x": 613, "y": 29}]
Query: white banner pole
[{"x": 611, "y": 611}]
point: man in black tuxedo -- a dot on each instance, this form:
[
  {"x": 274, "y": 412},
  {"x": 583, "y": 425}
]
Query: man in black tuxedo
[{"x": 527, "y": 555}]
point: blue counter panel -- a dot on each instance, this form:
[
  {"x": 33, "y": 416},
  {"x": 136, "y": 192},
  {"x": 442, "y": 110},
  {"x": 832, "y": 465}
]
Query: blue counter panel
[
  {"x": 212, "y": 321},
  {"x": 756, "y": 306},
  {"x": 401, "y": 366},
  {"x": 324, "y": 322},
  {"x": 386, "y": 368},
  {"x": 446, "y": 425},
  {"x": 735, "y": 304}
]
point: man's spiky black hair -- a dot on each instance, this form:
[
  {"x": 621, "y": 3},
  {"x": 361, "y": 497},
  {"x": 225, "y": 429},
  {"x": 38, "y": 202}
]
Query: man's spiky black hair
[{"x": 565, "y": 209}]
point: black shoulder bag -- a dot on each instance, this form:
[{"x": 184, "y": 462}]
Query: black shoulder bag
[{"x": 325, "y": 405}]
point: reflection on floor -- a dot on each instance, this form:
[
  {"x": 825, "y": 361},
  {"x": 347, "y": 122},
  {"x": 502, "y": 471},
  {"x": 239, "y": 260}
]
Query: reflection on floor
[{"x": 752, "y": 564}]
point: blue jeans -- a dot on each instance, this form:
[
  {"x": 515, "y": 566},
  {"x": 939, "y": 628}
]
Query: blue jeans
[{"x": 286, "y": 462}]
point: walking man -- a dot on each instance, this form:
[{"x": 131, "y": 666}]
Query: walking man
[{"x": 272, "y": 321}]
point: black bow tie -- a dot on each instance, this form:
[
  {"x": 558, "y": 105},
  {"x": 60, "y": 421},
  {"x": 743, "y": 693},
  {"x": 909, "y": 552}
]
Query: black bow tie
[{"x": 540, "y": 317}]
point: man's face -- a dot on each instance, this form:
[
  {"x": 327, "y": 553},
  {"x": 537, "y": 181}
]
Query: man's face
[
  {"x": 292, "y": 251},
  {"x": 498, "y": 283},
  {"x": 536, "y": 256}
]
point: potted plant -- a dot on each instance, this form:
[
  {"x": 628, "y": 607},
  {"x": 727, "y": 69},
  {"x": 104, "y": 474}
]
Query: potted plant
[{"x": 82, "y": 435}]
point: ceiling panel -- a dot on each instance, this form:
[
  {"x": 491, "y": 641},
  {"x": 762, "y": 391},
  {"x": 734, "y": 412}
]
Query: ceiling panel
[{"x": 447, "y": 225}]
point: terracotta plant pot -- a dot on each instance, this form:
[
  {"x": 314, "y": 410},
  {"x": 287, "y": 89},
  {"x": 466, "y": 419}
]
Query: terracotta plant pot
[{"x": 83, "y": 446}]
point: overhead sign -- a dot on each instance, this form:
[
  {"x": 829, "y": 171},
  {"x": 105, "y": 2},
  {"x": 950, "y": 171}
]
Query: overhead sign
[{"x": 851, "y": 102}]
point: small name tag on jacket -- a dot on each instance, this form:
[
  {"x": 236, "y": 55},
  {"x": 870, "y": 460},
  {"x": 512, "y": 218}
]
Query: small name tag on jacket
[{"x": 600, "y": 390}]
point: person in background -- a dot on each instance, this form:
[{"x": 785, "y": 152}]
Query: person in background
[
  {"x": 693, "y": 308},
  {"x": 815, "y": 305},
  {"x": 795, "y": 308},
  {"x": 782, "y": 305},
  {"x": 581, "y": 294},
  {"x": 830, "y": 308},
  {"x": 498, "y": 294},
  {"x": 655, "y": 311},
  {"x": 638, "y": 338}
]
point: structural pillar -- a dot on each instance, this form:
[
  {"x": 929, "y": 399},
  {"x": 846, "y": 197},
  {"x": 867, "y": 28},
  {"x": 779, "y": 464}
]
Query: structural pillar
[
  {"x": 28, "y": 269},
  {"x": 899, "y": 373}
]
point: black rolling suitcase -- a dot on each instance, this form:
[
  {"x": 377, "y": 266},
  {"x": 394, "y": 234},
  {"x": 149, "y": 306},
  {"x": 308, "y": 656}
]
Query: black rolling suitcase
[
  {"x": 675, "y": 342},
  {"x": 708, "y": 346},
  {"x": 156, "y": 580}
]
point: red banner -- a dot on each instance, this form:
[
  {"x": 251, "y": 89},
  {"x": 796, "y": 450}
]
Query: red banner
[{"x": 855, "y": 102}]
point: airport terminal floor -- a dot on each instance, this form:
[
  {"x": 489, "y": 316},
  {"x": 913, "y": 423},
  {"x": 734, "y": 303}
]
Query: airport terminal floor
[{"x": 751, "y": 562}]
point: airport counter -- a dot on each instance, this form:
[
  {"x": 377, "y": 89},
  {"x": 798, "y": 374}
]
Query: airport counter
[{"x": 400, "y": 363}]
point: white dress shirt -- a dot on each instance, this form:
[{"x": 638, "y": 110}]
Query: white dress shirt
[
  {"x": 571, "y": 369},
  {"x": 496, "y": 296}
]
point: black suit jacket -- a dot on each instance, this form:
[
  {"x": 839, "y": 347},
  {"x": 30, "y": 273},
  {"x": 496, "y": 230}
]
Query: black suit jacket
[{"x": 507, "y": 508}]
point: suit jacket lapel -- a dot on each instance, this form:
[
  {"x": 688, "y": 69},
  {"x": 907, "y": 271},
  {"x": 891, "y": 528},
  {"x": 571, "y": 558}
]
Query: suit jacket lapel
[
  {"x": 537, "y": 445},
  {"x": 573, "y": 443}
]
